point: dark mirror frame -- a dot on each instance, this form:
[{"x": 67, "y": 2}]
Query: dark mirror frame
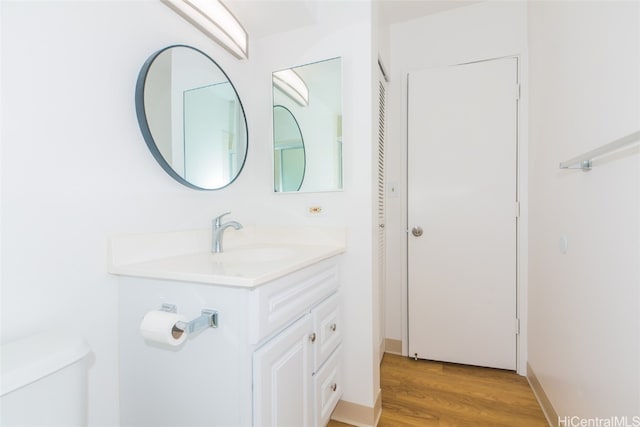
[{"x": 146, "y": 131}]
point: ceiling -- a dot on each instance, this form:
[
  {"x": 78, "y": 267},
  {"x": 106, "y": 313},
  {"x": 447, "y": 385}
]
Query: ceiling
[
  {"x": 393, "y": 11},
  {"x": 265, "y": 17}
]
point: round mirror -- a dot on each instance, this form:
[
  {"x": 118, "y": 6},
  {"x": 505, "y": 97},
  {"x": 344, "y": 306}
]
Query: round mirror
[
  {"x": 289, "y": 157},
  {"x": 191, "y": 118}
]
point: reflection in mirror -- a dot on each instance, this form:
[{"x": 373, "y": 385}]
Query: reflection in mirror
[
  {"x": 191, "y": 118},
  {"x": 319, "y": 120},
  {"x": 289, "y": 154}
]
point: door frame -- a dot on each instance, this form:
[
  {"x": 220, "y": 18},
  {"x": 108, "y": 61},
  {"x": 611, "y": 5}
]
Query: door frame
[{"x": 521, "y": 223}]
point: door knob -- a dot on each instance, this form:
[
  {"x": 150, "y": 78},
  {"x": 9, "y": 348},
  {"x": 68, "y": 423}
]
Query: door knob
[{"x": 416, "y": 231}]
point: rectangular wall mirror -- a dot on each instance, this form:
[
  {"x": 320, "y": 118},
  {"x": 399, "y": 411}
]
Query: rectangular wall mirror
[{"x": 307, "y": 127}]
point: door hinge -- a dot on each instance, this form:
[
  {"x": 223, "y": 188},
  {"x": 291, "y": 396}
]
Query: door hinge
[
  {"x": 517, "y": 209},
  {"x": 517, "y": 326},
  {"x": 517, "y": 91}
]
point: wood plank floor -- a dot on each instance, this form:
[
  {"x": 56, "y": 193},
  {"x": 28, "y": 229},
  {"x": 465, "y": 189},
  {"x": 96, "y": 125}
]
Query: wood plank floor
[{"x": 424, "y": 393}]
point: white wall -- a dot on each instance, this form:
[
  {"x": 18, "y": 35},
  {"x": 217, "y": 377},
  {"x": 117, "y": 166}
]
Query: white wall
[
  {"x": 481, "y": 31},
  {"x": 343, "y": 29},
  {"x": 75, "y": 168},
  {"x": 584, "y": 306}
]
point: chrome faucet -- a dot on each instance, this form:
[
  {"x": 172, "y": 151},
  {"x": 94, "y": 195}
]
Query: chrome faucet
[{"x": 218, "y": 231}]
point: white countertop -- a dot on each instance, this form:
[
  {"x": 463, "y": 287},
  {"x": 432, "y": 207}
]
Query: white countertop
[{"x": 251, "y": 257}]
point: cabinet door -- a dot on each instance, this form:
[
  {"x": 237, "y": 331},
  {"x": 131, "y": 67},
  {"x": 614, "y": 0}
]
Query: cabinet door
[{"x": 282, "y": 385}]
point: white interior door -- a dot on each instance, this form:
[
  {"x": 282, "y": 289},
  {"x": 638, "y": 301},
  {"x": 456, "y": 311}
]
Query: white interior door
[{"x": 462, "y": 149}]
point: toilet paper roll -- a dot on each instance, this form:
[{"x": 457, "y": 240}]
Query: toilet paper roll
[{"x": 160, "y": 326}]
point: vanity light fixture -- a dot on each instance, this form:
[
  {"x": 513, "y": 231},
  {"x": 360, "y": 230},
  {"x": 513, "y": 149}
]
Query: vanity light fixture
[
  {"x": 290, "y": 82},
  {"x": 216, "y": 21}
]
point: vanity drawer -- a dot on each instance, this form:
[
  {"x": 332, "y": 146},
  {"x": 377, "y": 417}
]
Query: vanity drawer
[
  {"x": 279, "y": 303},
  {"x": 327, "y": 384},
  {"x": 328, "y": 329}
]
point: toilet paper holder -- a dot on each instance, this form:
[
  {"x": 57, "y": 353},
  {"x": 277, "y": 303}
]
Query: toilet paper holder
[{"x": 208, "y": 319}]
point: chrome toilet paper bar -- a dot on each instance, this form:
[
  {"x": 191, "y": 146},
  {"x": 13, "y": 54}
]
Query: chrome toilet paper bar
[{"x": 208, "y": 319}]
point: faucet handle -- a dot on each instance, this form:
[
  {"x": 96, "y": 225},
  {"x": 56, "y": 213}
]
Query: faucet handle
[{"x": 218, "y": 219}]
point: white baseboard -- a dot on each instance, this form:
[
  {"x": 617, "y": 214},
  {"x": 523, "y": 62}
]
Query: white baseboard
[
  {"x": 358, "y": 415},
  {"x": 547, "y": 408},
  {"x": 393, "y": 346}
]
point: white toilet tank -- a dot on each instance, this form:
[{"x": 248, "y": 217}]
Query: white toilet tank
[{"x": 44, "y": 382}]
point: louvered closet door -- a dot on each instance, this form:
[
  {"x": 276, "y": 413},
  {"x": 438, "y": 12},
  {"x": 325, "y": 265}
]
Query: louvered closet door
[{"x": 382, "y": 244}]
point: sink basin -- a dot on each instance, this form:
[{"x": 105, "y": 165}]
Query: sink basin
[{"x": 253, "y": 254}]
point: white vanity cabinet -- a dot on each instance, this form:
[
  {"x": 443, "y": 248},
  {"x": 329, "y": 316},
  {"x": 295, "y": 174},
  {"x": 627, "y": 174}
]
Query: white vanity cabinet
[
  {"x": 297, "y": 379},
  {"x": 274, "y": 359}
]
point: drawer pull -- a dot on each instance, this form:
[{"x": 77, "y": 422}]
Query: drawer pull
[
  {"x": 333, "y": 327},
  {"x": 312, "y": 337},
  {"x": 334, "y": 387}
]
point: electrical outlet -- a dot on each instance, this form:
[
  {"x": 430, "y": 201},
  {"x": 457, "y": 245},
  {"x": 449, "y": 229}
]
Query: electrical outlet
[{"x": 315, "y": 210}]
